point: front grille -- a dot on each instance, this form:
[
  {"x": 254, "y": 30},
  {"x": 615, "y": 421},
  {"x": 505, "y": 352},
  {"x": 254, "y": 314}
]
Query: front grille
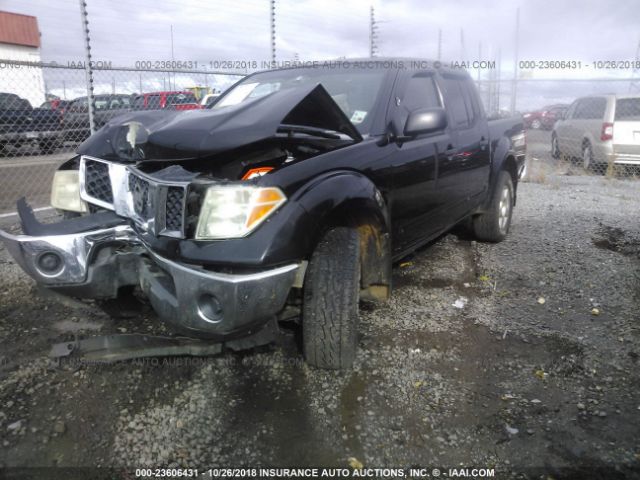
[
  {"x": 97, "y": 182},
  {"x": 139, "y": 189},
  {"x": 173, "y": 210},
  {"x": 156, "y": 206}
]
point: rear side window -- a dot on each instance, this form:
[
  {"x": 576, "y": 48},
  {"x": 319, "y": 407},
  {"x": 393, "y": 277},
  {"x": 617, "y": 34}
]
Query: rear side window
[
  {"x": 591, "y": 109},
  {"x": 458, "y": 100},
  {"x": 628, "y": 109}
]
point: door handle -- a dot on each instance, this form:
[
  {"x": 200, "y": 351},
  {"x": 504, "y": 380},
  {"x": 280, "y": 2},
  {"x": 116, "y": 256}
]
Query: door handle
[{"x": 450, "y": 152}]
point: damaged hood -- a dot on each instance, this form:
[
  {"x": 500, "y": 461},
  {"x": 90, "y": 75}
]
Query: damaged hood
[{"x": 182, "y": 135}]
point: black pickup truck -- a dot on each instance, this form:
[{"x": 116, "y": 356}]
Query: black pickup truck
[
  {"x": 287, "y": 200},
  {"x": 20, "y": 123}
]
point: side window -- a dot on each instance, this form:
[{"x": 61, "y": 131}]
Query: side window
[
  {"x": 470, "y": 101},
  {"x": 153, "y": 101},
  {"x": 571, "y": 111},
  {"x": 138, "y": 103},
  {"x": 591, "y": 108},
  {"x": 456, "y": 104},
  {"x": 597, "y": 108},
  {"x": 580, "y": 110},
  {"x": 421, "y": 92}
]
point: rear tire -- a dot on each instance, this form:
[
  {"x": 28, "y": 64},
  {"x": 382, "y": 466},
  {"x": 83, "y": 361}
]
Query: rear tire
[
  {"x": 587, "y": 157},
  {"x": 331, "y": 295},
  {"x": 555, "y": 149},
  {"x": 493, "y": 225}
]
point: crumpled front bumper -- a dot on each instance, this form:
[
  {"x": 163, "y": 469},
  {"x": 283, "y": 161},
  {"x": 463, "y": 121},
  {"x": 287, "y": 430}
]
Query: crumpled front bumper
[{"x": 200, "y": 302}]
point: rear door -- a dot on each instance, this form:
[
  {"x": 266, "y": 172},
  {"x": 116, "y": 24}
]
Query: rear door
[
  {"x": 626, "y": 127},
  {"x": 464, "y": 166},
  {"x": 414, "y": 196},
  {"x": 563, "y": 129}
]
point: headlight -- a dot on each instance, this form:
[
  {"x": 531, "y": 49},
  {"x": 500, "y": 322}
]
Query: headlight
[
  {"x": 65, "y": 191},
  {"x": 234, "y": 211}
]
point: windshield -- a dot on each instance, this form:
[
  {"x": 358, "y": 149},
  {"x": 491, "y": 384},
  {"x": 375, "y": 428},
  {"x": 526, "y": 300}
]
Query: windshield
[{"x": 354, "y": 91}]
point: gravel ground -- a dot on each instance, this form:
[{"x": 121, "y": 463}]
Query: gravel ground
[{"x": 521, "y": 356}]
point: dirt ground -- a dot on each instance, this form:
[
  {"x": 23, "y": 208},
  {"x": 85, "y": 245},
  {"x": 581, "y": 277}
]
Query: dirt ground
[{"x": 520, "y": 356}]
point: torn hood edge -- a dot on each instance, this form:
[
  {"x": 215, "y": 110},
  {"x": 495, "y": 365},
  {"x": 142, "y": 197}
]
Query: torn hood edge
[{"x": 181, "y": 135}]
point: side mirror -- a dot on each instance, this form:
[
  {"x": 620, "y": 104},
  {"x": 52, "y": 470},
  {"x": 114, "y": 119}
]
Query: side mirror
[{"x": 425, "y": 120}]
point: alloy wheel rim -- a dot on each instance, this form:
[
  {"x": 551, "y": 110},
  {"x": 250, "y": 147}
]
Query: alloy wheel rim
[{"x": 504, "y": 209}]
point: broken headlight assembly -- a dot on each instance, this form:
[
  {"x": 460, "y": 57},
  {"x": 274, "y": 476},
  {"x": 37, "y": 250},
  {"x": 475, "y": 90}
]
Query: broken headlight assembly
[
  {"x": 234, "y": 211},
  {"x": 65, "y": 191}
]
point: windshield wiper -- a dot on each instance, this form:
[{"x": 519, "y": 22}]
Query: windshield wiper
[{"x": 314, "y": 131}]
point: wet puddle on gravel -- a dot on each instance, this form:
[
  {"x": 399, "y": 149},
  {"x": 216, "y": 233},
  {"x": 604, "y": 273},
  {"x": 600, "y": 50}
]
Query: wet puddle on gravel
[{"x": 616, "y": 240}]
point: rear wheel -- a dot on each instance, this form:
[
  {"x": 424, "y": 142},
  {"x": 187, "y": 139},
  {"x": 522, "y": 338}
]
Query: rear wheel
[
  {"x": 555, "y": 149},
  {"x": 587, "y": 156},
  {"x": 330, "y": 305},
  {"x": 493, "y": 225}
]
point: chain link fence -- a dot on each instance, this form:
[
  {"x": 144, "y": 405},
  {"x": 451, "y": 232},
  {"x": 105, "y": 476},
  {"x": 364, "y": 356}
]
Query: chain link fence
[
  {"x": 44, "y": 114},
  {"x": 589, "y": 126}
]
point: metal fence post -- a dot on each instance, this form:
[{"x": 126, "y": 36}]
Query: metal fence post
[
  {"x": 88, "y": 70},
  {"x": 514, "y": 88}
]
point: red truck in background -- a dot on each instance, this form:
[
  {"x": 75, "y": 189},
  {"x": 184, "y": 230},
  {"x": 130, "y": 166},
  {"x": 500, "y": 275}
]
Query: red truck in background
[{"x": 178, "y": 100}]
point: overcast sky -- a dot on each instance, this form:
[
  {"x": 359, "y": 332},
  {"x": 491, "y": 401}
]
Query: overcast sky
[
  {"x": 213, "y": 30},
  {"x": 318, "y": 29}
]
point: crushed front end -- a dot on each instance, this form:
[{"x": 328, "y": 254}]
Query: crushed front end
[
  {"x": 95, "y": 255},
  {"x": 174, "y": 203}
]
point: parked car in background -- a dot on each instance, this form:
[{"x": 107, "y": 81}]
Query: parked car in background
[
  {"x": 76, "y": 117},
  {"x": 288, "y": 200},
  {"x": 600, "y": 130},
  {"x": 20, "y": 123},
  {"x": 545, "y": 118},
  {"x": 161, "y": 100},
  {"x": 57, "y": 104},
  {"x": 208, "y": 100}
]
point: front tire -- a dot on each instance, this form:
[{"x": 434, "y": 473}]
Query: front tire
[
  {"x": 331, "y": 296},
  {"x": 493, "y": 225}
]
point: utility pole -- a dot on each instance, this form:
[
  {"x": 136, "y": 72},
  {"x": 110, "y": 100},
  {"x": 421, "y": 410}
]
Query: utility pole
[
  {"x": 273, "y": 32},
  {"x": 373, "y": 33},
  {"x": 634, "y": 86},
  {"x": 514, "y": 86},
  {"x": 172, "y": 62},
  {"x": 439, "y": 44},
  {"x": 88, "y": 70},
  {"x": 479, "y": 57}
]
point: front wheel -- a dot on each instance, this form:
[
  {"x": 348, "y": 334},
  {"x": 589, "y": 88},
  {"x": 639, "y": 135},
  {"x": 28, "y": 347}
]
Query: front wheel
[
  {"x": 493, "y": 225},
  {"x": 330, "y": 302},
  {"x": 536, "y": 124}
]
